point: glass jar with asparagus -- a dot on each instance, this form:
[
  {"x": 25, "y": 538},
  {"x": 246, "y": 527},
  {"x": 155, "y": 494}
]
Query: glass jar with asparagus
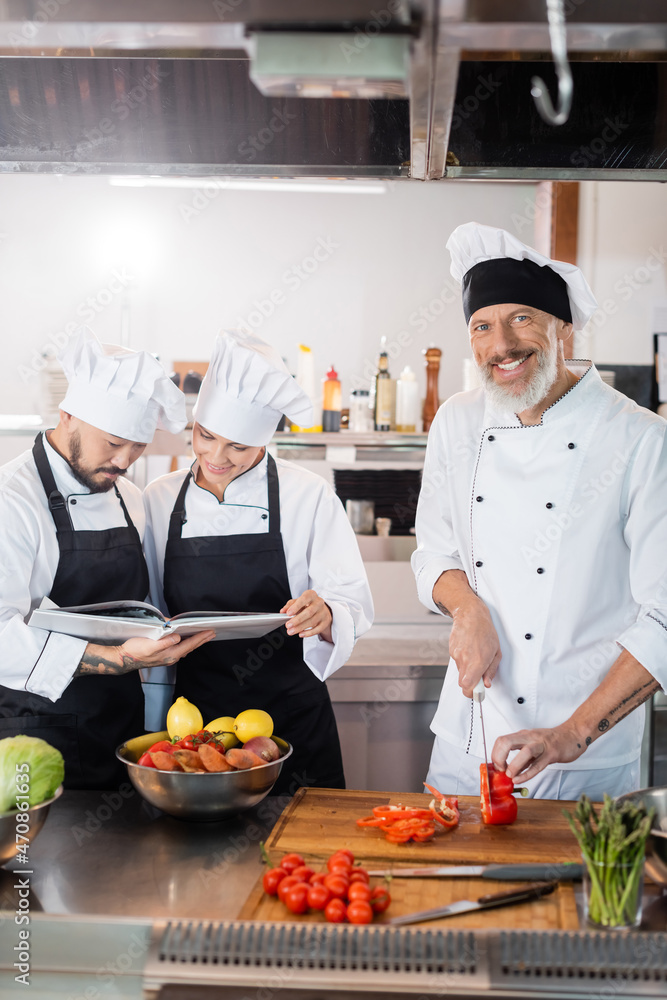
[{"x": 613, "y": 843}]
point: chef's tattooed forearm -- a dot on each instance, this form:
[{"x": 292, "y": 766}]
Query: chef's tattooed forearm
[
  {"x": 97, "y": 663},
  {"x": 653, "y": 688},
  {"x": 632, "y": 702},
  {"x": 443, "y": 609},
  {"x": 652, "y": 685}
]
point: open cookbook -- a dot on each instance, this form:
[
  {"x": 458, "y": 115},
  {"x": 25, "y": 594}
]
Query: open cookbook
[{"x": 117, "y": 621}]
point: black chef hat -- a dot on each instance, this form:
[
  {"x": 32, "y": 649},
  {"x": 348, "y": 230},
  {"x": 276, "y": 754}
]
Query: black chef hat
[{"x": 505, "y": 279}]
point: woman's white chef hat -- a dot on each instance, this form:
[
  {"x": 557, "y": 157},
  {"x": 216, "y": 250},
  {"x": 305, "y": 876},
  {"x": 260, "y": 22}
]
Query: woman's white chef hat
[
  {"x": 495, "y": 267},
  {"x": 125, "y": 393},
  {"x": 246, "y": 390}
]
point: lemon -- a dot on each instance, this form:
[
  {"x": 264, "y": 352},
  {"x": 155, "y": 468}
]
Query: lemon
[
  {"x": 183, "y": 718},
  {"x": 253, "y": 722},
  {"x": 225, "y": 726}
]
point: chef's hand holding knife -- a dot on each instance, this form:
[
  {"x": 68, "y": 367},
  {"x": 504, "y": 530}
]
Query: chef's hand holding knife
[
  {"x": 311, "y": 615},
  {"x": 475, "y": 647},
  {"x": 473, "y": 643}
]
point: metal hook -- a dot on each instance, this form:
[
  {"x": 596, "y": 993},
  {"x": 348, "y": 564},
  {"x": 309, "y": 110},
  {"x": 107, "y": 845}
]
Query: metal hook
[{"x": 557, "y": 36}]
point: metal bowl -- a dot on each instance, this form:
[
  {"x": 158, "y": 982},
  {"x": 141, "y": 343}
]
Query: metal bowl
[
  {"x": 9, "y": 841},
  {"x": 201, "y": 797},
  {"x": 656, "y": 846}
]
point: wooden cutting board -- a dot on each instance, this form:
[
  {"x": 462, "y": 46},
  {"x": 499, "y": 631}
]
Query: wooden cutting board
[
  {"x": 557, "y": 911},
  {"x": 319, "y": 821}
]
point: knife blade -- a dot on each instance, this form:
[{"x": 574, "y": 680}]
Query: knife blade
[
  {"x": 478, "y": 695},
  {"x": 503, "y": 873},
  {"x": 487, "y": 902}
]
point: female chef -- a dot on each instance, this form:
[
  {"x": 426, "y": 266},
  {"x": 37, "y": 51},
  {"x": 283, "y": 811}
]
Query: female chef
[{"x": 242, "y": 531}]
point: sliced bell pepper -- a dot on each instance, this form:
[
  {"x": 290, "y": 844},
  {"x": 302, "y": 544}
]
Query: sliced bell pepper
[
  {"x": 497, "y": 800},
  {"x": 370, "y": 821}
]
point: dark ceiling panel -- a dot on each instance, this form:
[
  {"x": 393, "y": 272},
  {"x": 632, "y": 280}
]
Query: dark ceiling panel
[
  {"x": 120, "y": 114},
  {"x": 618, "y": 119}
]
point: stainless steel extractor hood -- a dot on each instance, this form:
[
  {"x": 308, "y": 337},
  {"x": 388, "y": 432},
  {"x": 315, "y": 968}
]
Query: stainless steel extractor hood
[{"x": 427, "y": 89}]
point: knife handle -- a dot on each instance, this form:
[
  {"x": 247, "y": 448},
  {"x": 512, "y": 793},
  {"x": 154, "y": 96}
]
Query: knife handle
[
  {"x": 517, "y": 895},
  {"x": 508, "y": 873}
]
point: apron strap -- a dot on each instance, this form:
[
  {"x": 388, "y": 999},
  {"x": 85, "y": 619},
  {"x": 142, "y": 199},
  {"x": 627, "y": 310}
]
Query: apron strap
[
  {"x": 128, "y": 520},
  {"x": 177, "y": 518},
  {"x": 57, "y": 505},
  {"x": 274, "y": 495}
]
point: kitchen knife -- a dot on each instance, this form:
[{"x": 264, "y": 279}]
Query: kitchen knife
[
  {"x": 483, "y": 903},
  {"x": 478, "y": 695},
  {"x": 504, "y": 873}
]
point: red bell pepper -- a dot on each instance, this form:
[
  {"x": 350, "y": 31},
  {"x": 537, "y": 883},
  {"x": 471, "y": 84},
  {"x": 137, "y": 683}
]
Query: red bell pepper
[
  {"x": 499, "y": 806},
  {"x": 444, "y": 811}
]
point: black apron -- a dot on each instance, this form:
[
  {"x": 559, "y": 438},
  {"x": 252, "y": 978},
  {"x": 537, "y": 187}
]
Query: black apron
[
  {"x": 249, "y": 573},
  {"x": 94, "y": 713}
]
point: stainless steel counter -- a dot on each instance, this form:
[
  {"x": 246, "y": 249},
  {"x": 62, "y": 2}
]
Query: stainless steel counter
[
  {"x": 112, "y": 853},
  {"x": 134, "y": 901}
]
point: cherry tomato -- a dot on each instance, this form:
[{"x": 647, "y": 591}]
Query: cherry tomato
[
  {"x": 284, "y": 885},
  {"x": 344, "y": 851},
  {"x": 335, "y": 911},
  {"x": 318, "y": 878},
  {"x": 303, "y": 872},
  {"x": 359, "y": 890},
  {"x": 146, "y": 760},
  {"x": 339, "y": 863},
  {"x": 359, "y": 875},
  {"x": 187, "y": 743},
  {"x": 272, "y": 879},
  {"x": 337, "y": 885},
  {"x": 318, "y": 896},
  {"x": 380, "y": 899},
  {"x": 359, "y": 912},
  {"x": 163, "y": 745},
  {"x": 290, "y": 862},
  {"x": 204, "y": 736},
  {"x": 296, "y": 898}
]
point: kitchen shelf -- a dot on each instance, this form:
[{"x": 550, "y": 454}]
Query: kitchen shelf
[{"x": 349, "y": 446}]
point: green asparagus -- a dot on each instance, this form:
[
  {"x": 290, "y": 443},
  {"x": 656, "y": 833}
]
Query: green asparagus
[{"x": 613, "y": 843}]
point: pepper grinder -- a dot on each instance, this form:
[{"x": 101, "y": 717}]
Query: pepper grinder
[{"x": 432, "y": 402}]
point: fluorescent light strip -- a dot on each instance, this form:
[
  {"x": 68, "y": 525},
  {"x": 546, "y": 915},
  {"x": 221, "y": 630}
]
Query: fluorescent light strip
[{"x": 253, "y": 184}]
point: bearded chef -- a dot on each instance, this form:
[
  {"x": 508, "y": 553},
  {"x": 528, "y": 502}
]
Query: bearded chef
[
  {"x": 71, "y": 529},
  {"x": 542, "y": 533},
  {"x": 242, "y": 531}
]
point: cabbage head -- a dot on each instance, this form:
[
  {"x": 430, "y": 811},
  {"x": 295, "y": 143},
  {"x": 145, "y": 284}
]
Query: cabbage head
[{"x": 45, "y": 771}]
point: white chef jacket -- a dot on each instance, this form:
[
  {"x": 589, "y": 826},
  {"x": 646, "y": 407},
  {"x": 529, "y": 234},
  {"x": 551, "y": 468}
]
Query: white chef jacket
[
  {"x": 33, "y": 659},
  {"x": 561, "y": 529},
  {"x": 321, "y": 550}
]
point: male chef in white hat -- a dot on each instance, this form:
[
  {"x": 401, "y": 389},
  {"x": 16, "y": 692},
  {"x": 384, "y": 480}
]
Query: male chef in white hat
[
  {"x": 242, "y": 531},
  {"x": 542, "y": 533},
  {"x": 71, "y": 529}
]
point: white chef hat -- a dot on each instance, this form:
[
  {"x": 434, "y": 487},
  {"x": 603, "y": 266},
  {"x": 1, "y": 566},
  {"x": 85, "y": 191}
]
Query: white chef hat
[
  {"x": 246, "y": 390},
  {"x": 493, "y": 267},
  {"x": 125, "y": 393}
]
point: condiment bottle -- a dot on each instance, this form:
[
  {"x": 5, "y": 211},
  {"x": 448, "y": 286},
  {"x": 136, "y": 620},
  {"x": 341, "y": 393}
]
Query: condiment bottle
[
  {"x": 385, "y": 393},
  {"x": 407, "y": 402},
  {"x": 331, "y": 401},
  {"x": 305, "y": 376},
  {"x": 432, "y": 402},
  {"x": 361, "y": 416}
]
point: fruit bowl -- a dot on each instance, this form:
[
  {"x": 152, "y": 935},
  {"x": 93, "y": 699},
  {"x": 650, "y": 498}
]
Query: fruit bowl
[
  {"x": 8, "y": 827},
  {"x": 201, "y": 797},
  {"x": 656, "y": 845}
]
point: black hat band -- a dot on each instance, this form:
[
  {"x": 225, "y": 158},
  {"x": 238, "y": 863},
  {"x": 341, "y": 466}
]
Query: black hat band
[{"x": 504, "y": 279}]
